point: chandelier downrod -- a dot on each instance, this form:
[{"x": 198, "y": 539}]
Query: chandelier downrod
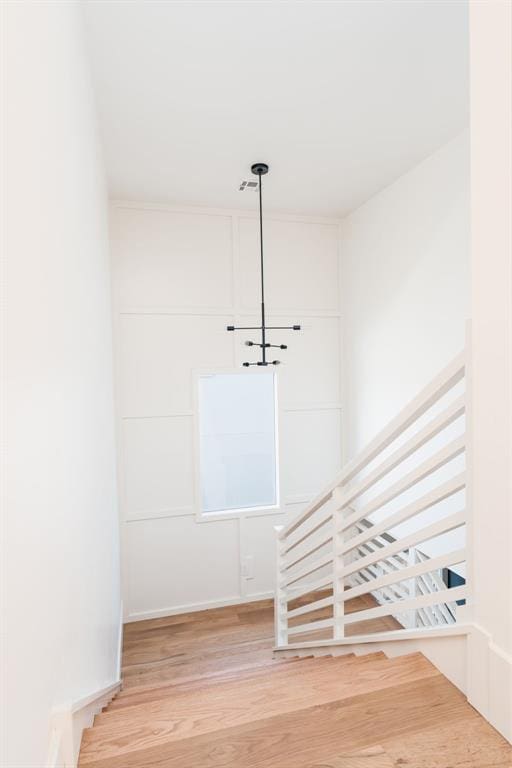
[{"x": 260, "y": 169}]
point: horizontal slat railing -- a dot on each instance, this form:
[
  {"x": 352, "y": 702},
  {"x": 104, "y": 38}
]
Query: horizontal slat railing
[
  {"x": 428, "y": 467},
  {"x": 303, "y": 533},
  {"x": 446, "y": 380},
  {"x": 320, "y": 562},
  {"x": 432, "y": 429},
  {"x": 424, "y": 534},
  {"x": 311, "y": 626},
  {"x": 441, "y": 493},
  {"x": 315, "y": 606},
  {"x": 458, "y": 593},
  {"x": 443, "y": 561},
  {"x": 294, "y": 592},
  {"x": 340, "y": 549},
  {"x": 309, "y": 548},
  {"x": 426, "y": 578}
]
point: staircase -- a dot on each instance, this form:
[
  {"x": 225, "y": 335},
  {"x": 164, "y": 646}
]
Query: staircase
[
  {"x": 203, "y": 690},
  {"x": 424, "y": 584},
  {"x": 360, "y": 662}
]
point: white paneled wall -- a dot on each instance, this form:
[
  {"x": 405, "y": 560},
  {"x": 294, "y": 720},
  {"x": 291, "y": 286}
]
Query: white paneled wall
[{"x": 179, "y": 277}]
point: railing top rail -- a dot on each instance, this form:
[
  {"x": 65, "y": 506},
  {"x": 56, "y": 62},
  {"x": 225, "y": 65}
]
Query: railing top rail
[{"x": 429, "y": 395}]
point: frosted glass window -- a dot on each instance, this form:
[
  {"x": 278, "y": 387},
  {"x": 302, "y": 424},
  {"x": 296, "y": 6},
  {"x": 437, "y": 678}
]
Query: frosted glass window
[{"x": 237, "y": 426}]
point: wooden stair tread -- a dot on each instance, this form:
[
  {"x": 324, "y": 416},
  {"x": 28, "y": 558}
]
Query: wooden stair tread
[
  {"x": 468, "y": 743},
  {"x": 195, "y": 682},
  {"x": 196, "y": 617},
  {"x": 159, "y": 672},
  {"x": 146, "y": 653},
  {"x": 137, "y": 650},
  {"x": 180, "y": 696},
  {"x": 203, "y": 691},
  {"x": 227, "y": 705},
  {"x": 374, "y": 757},
  {"x": 246, "y": 665},
  {"x": 300, "y": 738},
  {"x": 191, "y": 673},
  {"x": 206, "y": 655}
]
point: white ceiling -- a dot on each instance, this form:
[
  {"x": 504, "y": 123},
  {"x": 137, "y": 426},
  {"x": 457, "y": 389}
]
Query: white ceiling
[{"x": 340, "y": 98}]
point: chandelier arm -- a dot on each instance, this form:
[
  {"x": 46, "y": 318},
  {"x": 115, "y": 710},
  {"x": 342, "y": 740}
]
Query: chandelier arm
[{"x": 267, "y": 328}]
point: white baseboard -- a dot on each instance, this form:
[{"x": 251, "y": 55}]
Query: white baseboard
[
  {"x": 55, "y": 757},
  {"x": 161, "y": 613},
  {"x": 69, "y": 721},
  {"x": 120, "y": 642},
  {"x": 490, "y": 680}
]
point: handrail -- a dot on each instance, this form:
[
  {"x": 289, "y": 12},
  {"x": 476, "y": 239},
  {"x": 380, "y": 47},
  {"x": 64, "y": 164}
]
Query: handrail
[{"x": 334, "y": 551}]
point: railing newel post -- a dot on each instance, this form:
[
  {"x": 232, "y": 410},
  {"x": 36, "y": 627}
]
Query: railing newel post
[
  {"x": 413, "y": 587},
  {"x": 280, "y": 605}
]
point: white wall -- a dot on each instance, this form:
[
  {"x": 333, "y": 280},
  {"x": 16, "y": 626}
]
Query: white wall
[
  {"x": 60, "y": 567},
  {"x": 405, "y": 297},
  {"x": 405, "y": 289},
  {"x": 181, "y": 276},
  {"x": 490, "y": 649}
]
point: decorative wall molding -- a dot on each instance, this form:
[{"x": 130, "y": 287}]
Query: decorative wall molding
[
  {"x": 312, "y": 407},
  {"x": 335, "y": 406},
  {"x": 300, "y": 498},
  {"x": 152, "y": 322},
  {"x": 244, "y": 213},
  {"x": 201, "y": 311},
  {"x": 142, "y": 515},
  {"x": 176, "y": 415}
]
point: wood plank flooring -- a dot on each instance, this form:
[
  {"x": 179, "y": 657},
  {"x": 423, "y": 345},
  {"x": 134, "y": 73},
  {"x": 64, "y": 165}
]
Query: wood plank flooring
[{"x": 202, "y": 690}]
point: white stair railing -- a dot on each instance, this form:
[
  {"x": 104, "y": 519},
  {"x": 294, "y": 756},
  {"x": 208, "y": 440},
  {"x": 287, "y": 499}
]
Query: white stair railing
[
  {"x": 373, "y": 544},
  {"x": 425, "y": 583}
]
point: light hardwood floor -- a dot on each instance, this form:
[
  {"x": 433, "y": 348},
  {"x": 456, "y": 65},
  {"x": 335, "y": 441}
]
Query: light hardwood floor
[{"x": 202, "y": 690}]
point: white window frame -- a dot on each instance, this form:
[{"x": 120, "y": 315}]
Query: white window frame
[{"x": 274, "y": 509}]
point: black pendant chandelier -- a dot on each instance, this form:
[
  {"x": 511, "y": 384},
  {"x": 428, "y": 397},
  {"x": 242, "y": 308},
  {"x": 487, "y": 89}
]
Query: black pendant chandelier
[{"x": 260, "y": 169}]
